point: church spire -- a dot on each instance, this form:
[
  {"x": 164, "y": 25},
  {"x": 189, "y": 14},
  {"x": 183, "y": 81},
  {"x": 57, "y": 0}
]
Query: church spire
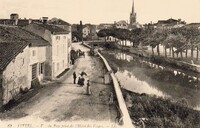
[
  {"x": 133, "y": 8},
  {"x": 132, "y": 15}
]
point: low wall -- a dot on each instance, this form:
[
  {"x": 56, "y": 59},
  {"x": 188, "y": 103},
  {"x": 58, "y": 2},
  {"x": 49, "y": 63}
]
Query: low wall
[
  {"x": 86, "y": 45},
  {"x": 122, "y": 105},
  {"x": 125, "y": 115}
]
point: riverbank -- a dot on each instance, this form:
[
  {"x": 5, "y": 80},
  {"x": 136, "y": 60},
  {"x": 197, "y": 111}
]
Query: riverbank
[
  {"x": 174, "y": 62},
  {"x": 161, "y": 113},
  {"x": 157, "y": 111}
]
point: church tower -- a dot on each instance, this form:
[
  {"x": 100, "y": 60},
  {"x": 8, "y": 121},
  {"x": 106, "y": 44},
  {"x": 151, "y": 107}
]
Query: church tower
[{"x": 132, "y": 16}]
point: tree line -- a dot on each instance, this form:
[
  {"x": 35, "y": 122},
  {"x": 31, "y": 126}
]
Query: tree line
[{"x": 177, "y": 40}]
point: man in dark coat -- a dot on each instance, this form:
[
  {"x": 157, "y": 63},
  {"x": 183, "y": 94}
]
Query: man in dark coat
[{"x": 74, "y": 76}]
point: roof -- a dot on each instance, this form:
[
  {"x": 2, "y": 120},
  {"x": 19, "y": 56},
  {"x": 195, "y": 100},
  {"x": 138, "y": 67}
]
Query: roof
[
  {"x": 54, "y": 29},
  {"x": 104, "y": 26},
  {"x": 5, "y": 36},
  {"x": 121, "y": 22},
  {"x": 32, "y": 38},
  {"x": 167, "y": 21},
  {"x": 9, "y": 50},
  {"x": 56, "y": 21},
  {"x": 20, "y": 22},
  {"x": 193, "y": 25},
  {"x": 7, "y": 21}
]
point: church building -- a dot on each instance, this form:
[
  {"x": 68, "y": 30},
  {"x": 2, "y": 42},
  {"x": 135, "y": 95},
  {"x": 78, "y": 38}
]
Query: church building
[{"x": 133, "y": 23}]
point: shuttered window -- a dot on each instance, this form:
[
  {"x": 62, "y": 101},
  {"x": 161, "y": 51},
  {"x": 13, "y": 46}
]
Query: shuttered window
[{"x": 34, "y": 71}]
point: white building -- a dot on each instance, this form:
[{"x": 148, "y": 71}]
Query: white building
[
  {"x": 86, "y": 31},
  {"x": 121, "y": 24},
  {"x": 58, "y": 55},
  {"x": 37, "y": 52}
]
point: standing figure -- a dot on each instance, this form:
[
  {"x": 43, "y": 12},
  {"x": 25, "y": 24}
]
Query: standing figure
[
  {"x": 88, "y": 90},
  {"x": 74, "y": 76},
  {"x": 82, "y": 81}
]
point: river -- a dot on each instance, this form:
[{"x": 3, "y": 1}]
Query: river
[{"x": 143, "y": 76}]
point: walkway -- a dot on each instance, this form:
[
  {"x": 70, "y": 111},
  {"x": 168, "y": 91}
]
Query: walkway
[{"x": 65, "y": 101}]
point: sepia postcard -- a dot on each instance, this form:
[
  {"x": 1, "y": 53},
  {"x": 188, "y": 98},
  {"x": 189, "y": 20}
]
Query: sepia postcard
[{"x": 99, "y": 64}]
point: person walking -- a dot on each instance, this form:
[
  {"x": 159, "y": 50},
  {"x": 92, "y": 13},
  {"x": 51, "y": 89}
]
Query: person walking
[
  {"x": 88, "y": 89},
  {"x": 74, "y": 76}
]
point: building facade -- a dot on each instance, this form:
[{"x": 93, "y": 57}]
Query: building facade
[
  {"x": 37, "y": 51},
  {"x": 59, "y": 53},
  {"x": 121, "y": 24},
  {"x": 14, "y": 61},
  {"x": 86, "y": 31}
]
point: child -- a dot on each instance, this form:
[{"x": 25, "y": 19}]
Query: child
[{"x": 88, "y": 90}]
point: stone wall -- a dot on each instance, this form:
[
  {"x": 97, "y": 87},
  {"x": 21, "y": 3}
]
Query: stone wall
[{"x": 15, "y": 76}]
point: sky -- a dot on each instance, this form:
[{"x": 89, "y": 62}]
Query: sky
[{"x": 103, "y": 11}]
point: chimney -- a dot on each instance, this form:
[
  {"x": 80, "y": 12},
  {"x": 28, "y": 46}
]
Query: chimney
[
  {"x": 81, "y": 22},
  {"x": 44, "y": 20},
  {"x": 15, "y": 17}
]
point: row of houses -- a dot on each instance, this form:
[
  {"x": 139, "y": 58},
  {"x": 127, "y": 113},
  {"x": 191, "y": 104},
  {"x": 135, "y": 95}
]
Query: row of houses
[
  {"x": 35, "y": 52},
  {"x": 89, "y": 31}
]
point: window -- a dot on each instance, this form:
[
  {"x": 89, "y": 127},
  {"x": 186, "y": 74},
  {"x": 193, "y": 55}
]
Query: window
[
  {"x": 58, "y": 66},
  {"x": 57, "y": 50},
  {"x": 41, "y": 69},
  {"x": 22, "y": 61},
  {"x": 64, "y": 37},
  {"x": 63, "y": 49},
  {"x": 57, "y": 37},
  {"x": 33, "y": 53},
  {"x": 34, "y": 71}
]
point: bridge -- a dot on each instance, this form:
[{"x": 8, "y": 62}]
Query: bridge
[{"x": 99, "y": 42}]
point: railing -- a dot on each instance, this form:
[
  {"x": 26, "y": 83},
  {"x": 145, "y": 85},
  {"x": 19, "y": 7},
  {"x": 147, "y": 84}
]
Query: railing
[
  {"x": 122, "y": 106},
  {"x": 127, "y": 122}
]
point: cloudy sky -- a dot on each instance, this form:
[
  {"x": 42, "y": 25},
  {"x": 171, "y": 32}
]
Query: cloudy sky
[{"x": 103, "y": 11}]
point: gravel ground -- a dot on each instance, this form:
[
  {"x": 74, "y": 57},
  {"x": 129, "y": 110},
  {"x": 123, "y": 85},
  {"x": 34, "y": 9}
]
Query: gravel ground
[{"x": 65, "y": 101}]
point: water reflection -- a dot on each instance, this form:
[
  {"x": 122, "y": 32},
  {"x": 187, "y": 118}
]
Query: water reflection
[
  {"x": 142, "y": 76},
  {"x": 130, "y": 80}
]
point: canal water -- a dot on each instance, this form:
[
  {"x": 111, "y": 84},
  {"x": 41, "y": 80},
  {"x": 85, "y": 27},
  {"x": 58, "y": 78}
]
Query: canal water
[{"x": 143, "y": 76}]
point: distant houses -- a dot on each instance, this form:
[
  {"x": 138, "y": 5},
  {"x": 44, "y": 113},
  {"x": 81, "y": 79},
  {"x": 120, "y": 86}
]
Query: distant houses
[
  {"x": 122, "y": 24},
  {"x": 16, "y": 21},
  {"x": 84, "y": 32},
  {"x": 193, "y": 25},
  {"x": 170, "y": 23},
  {"x": 31, "y": 53}
]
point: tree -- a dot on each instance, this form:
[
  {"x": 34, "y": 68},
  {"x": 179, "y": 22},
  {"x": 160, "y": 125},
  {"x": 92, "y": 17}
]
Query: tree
[
  {"x": 192, "y": 36},
  {"x": 104, "y": 33},
  {"x": 175, "y": 41}
]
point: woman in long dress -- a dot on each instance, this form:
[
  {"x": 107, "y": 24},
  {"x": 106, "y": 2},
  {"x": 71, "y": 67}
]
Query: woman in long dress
[{"x": 88, "y": 90}]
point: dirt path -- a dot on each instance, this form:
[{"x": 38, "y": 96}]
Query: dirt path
[{"x": 65, "y": 101}]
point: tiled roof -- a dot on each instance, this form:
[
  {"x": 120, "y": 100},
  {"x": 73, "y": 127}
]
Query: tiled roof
[
  {"x": 56, "y": 21},
  {"x": 5, "y": 36},
  {"x": 9, "y": 50},
  {"x": 54, "y": 29},
  {"x": 168, "y": 21},
  {"x": 7, "y": 21},
  {"x": 20, "y": 22},
  {"x": 121, "y": 22},
  {"x": 32, "y": 38}
]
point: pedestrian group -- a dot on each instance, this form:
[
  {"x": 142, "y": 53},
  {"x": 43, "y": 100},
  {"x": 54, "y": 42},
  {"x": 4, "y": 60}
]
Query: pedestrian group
[{"x": 81, "y": 81}]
